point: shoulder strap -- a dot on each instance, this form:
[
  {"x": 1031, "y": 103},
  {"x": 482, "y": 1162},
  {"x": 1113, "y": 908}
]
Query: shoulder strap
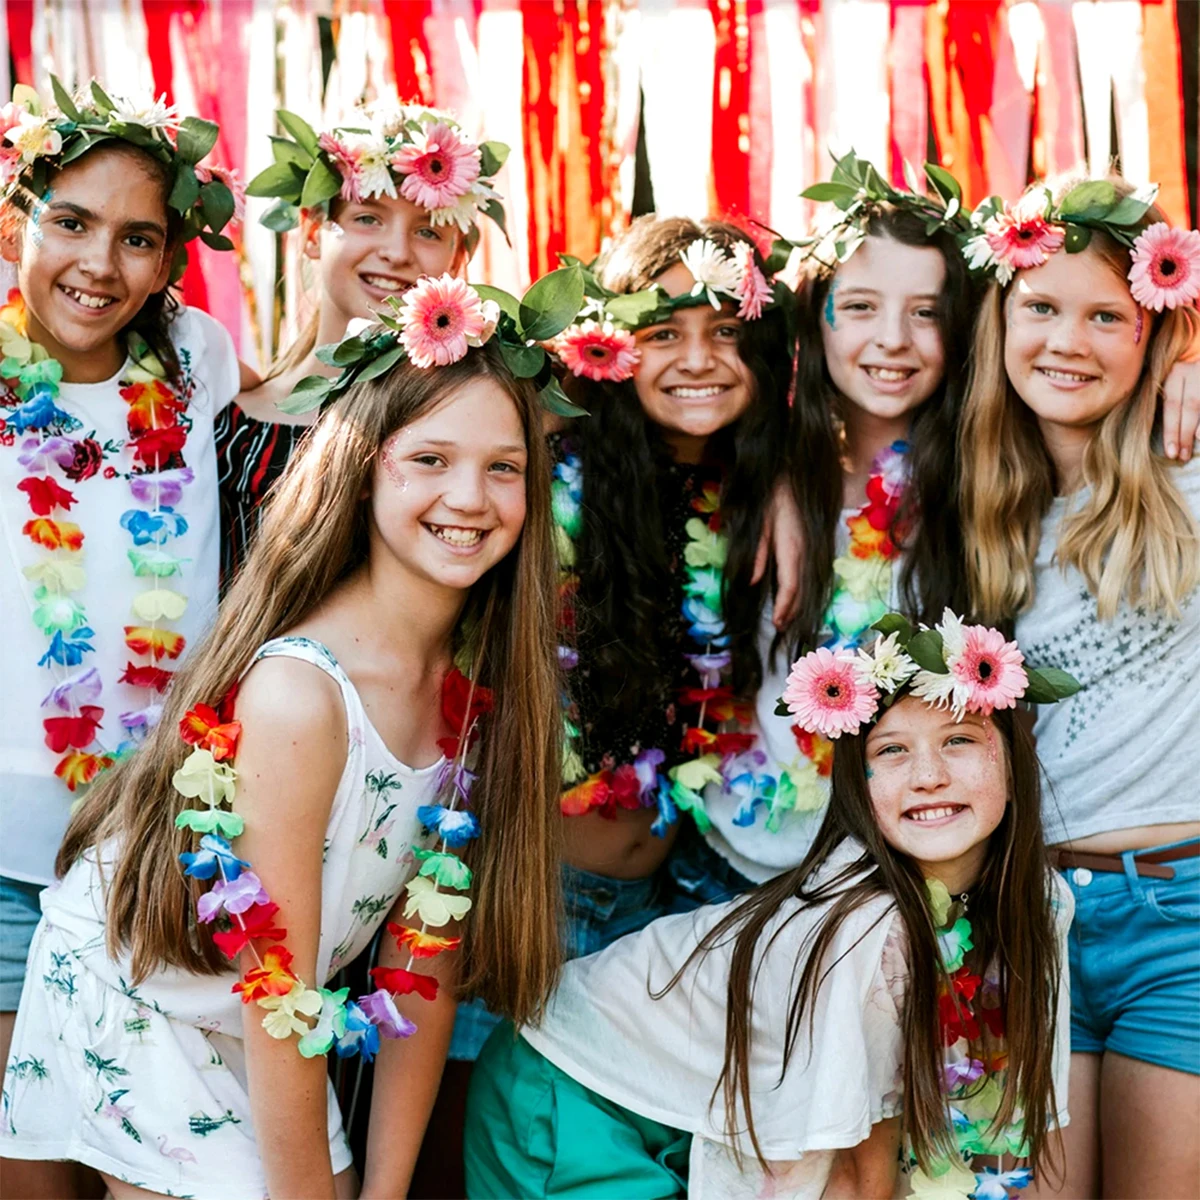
[{"x": 305, "y": 649}]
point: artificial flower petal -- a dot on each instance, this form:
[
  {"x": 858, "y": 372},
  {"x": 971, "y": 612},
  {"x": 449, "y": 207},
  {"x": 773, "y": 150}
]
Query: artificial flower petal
[
  {"x": 331, "y": 1023},
  {"x": 286, "y": 1013},
  {"x": 446, "y": 869},
  {"x": 78, "y": 768},
  {"x": 211, "y": 820},
  {"x": 202, "y": 726},
  {"x": 256, "y": 923},
  {"x": 380, "y": 1009},
  {"x": 154, "y": 562},
  {"x": 402, "y": 982},
  {"x": 76, "y": 690},
  {"x": 53, "y": 535},
  {"x": 454, "y": 826},
  {"x": 155, "y": 678},
  {"x": 57, "y": 574},
  {"x": 75, "y": 731},
  {"x": 214, "y": 856},
  {"x": 157, "y": 643},
  {"x": 431, "y": 906},
  {"x": 45, "y": 495},
  {"x": 159, "y": 604},
  {"x": 273, "y": 978},
  {"x": 420, "y": 944},
  {"x": 202, "y": 777},
  {"x": 361, "y": 1035}
]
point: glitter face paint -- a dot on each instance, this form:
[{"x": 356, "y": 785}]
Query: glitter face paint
[
  {"x": 392, "y": 468},
  {"x": 829, "y": 304},
  {"x": 35, "y": 218},
  {"x": 1137, "y": 329}
]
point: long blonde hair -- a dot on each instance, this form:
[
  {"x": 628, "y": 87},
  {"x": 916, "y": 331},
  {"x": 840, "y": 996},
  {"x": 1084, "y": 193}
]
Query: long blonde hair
[
  {"x": 1133, "y": 538},
  {"x": 314, "y": 535}
]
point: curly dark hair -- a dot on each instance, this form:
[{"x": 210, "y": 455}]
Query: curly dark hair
[
  {"x": 933, "y": 575},
  {"x": 622, "y": 557},
  {"x": 153, "y": 320}
]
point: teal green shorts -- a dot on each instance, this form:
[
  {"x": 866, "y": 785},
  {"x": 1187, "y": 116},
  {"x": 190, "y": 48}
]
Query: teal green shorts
[{"x": 534, "y": 1131}]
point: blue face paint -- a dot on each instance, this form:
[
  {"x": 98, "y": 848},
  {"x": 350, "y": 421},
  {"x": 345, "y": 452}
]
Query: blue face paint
[
  {"x": 829, "y": 304},
  {"x": 35, "y": 218},
  {"x": 870, "y": 773}
]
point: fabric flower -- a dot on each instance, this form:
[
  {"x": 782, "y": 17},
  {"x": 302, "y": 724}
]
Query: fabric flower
[
  {"x": 53, "y": 535},
  {"x": 37, "y": 454},
  {"x": 55, "y": 612},
  {"x": 456, "y": 827},
  {"x": 203, "y": 777},
  {"x": 158, "y": 604},
  {"x": 201, "y": 726},
  {"x": 960, "y": 1072},
  {"x": 829, "y": 693},
  {"x": 69, "y": 652},
  {"x": 78, "y": 732},
  {"x": 438, "y": 166},
  {"x": 160, "y": 487},
  {"x": 713, "y": 269},
  {"x": 56, "y": 574},
  {"x": 954, "y": 943},
  {"x": 156, "y": 643},
  {"x": 752, "y": 290},
  {"x": 361, "y": 1036},
  {"x": 709, "y": 666},
  {"x": 211, "y": 820},
  {"x": 145, "y": 677},
  {"x": 156, "y": 563},
  {"x": 215, "y": 854},
  {"x": 431, "y": 906},
  {"x": 152, "y": 405},
  {"x": 273, "y": 978},
  {"x": 331, "y": 1023},
  {"x": 598, "y": 351},
  {"x": 75, "y": 691},
  {"x": 153, "y": 528},
  {"x": 420, "y": 944},
  {"x": 707, "y": 625},
  {"x": 448, "y": 870},
  {"x": 439, "y": 317},
  {"x": 955, "y": 1183},
  {"x": 705, "y": 547},
  {"x": 257, "y": 922},
  {"x": 141, "y": 720},
  {"x": 398, "y": 981},
  {"x": 232, "y": 895},
  {"x": 286, "y": 1013},
  {"x": 78, "y": 767},
  {"x": 38, "y": 412},
  {"x": 45, "y": 495},
  {"x": 995, "y": 1185},
  {"x": 1166, "y": 267},
  {"x": 380, "y": 1009},
  {"x": 939, "y": 901},
  {"x": 691, "y": 801},
  {"x": 156, "y": 448}
]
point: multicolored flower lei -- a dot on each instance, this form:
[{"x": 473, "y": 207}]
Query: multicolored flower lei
[
  {"x": 240, "y": 900},
  {"x": 157, "y": 435}
]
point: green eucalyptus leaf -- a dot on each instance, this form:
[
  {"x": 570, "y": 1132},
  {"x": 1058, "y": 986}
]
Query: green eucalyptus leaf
[
  {"x": 925, "y": 649},
  {"x": 310, "y": 392},
  {"x": 1048, "y": 684},
  {"x": 1076, "y": 238},
  {"x": 282, "y": 179},
  {"x": 551, "y": 304},
  {"x": 553, "y": 399},
  {"x": 1092, "y": 199},
  {"x": 830, "y": 191},
  {"x": 185, "y": 191},
  {"x": 195, "y": 138},
  {"x": 301, "y": 130},
  {"x": 322, "y": 183},
  {"x": 943, "y": 182},
  {"x": 348, "y": 351},
  {"x": 280, "y": 217},
  {"x": 215, "y": 241},
  {"x": 895, "y": 623},
  {"x": 286, "y": 151},
  {"x": 1128, "y": 211},
  {"x": 637, "y": 309},
  {"x": 381, "y": 365},
  {"x": 492, "y": 156},
  {"x": 506, "y": 302},
  {"x": 63, "y": 99},
  {"x": 523, "y": 361},
  {"x": 217, "y": 201},
  {"x": 777, "y": 259}
]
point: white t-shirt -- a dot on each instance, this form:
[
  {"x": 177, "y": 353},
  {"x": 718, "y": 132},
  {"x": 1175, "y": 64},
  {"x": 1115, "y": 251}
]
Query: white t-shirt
[
  {"x": 1122, "y": 751},
  {"x": 34, "y": 804},
  {"x": 771, "y": 844}
]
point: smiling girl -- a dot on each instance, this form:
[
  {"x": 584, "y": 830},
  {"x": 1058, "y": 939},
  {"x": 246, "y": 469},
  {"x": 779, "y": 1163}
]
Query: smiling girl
[
  {"x": 396, "y": 196},
  {"x": 901, "y": 986},
  {"x": 108, "y": 394},
  {"x": 1087, "y": 536},
  {"x": 410, "y": 531}
]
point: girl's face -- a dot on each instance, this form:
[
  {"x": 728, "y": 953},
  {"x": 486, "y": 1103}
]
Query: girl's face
[
  {"x": 691, "y": 381},
  {"x": 1074, "y": 341},
  {"x": 369, "y": 251},
  {"x": 938, "y": 787},
  {"x": 883, "y": 343},
  {"x": 89, "y": 257},
  {"x": 448, "y": 496}
]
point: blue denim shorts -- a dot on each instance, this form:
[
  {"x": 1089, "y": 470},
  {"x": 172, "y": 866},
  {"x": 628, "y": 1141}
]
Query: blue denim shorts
[
  {"x": 598, "y": 910},
  {"x": 1135, "y": 964},
  {"x": 699, "y": 875},
  {"x": 20, "y": 912}
]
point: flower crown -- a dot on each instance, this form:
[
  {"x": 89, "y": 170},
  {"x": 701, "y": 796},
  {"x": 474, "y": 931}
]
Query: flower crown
[
  {"x": 1004, "y": 239},
  {"x": 435, "y": 323},
  {"x": 418, "y": 153},
  {"x": 856, "y": 189},
  {"x": 599, "y": 343},
  {"x": 965, "y": 668},
  {"x": 37, "y": 136}
]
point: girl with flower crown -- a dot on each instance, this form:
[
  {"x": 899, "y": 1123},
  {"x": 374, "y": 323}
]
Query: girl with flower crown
[
  {"x": 1082, "y": 532},
  {"x": 393, "y": 197},
  {"x": 274, "y": 821},
  {"x": 108, "y": 393},
  {"x": 901, "y": 987}
]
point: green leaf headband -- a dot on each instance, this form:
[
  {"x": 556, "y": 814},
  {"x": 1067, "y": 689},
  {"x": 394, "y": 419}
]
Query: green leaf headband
[
  {"x": 438, "y": 320},
  {"x": 418, "y": 153},
  {"x": 37, "y": 137},
  {"x": 965, "y": 668}
]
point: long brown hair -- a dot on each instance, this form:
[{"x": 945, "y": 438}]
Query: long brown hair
[
  {"x": 314, "y": 535},
  {"x": 1012, "y": 927},
  {"x": 1132, "y": 538}
]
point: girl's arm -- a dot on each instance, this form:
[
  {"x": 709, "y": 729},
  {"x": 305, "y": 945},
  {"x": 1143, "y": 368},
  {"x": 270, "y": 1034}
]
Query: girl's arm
[
  {"x": 782, "y": 540},
  {"x": 290, "y": 758},
  {"x": 1181, "y": 405},
  {"x": 869, "y": 1170},
  {"x": 409, "y": 1071}
]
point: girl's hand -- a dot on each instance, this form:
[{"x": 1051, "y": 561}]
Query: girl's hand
[
  {"x": 782, "y": 539},
  {"x": 1181, "y": 408}
]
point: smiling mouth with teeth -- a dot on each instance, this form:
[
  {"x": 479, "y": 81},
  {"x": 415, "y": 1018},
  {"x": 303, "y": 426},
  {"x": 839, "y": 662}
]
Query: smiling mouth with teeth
[
  {"x": 937, "y": 813},
  {"x": 890, "y": 374},
  {"x": 457, "y": 535},
  {"x": 386, "y": 283},
  {"x": 1066, "y": 376},
  {"x": 87, "y": 301},
  {"x": 696, "y": 393}
]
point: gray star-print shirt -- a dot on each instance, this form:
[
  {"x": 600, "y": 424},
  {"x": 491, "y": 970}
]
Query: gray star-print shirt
[{"x": 1122, "y": 752}]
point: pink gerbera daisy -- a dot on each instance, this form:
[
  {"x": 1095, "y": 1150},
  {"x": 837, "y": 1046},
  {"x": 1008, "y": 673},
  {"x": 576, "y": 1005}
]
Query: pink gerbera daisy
[
  {"x": 348, "y": 162},
  {"x": 598, "y": 351},
  {"x": 828, "y": 693},
  {"x": 1021, "y": 240},
  {"x": 441, "y": 318},
  {"x": 438, "y": 167},
  {"x": 988, "y": 670},
  {"x": 1166, "y": 267},
  {"x": 753, "y": 290}
]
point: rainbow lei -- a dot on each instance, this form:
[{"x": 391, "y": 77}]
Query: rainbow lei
[
  {"x": 965, "y": 1000},
  {"x": 239, "y": 899},
  {"x": 157, "y": 435}
]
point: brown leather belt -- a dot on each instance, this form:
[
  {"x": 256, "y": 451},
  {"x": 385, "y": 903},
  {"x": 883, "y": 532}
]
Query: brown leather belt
[{"x": 1146, "y": 863}]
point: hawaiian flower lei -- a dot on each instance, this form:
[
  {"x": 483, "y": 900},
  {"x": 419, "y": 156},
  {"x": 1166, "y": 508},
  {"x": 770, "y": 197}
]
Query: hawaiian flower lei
[
  {"x": 414, "y": 152},
  {"x": 157, "y": 435},
  {"x": 965, "y": 668},
  {"x": 239, "y": 898},
  {"x": 599, "y": 344},
  {"x": 1165, "y": 270}
]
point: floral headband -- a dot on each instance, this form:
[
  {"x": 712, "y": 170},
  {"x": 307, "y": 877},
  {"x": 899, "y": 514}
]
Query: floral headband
[
  {"x": 965, "y": 668},
  {"x": 599, "y": 343},
  {"x": 37, "y": 137},
  {"x": 856, "y": 189},
  {"x": 435, "y": 323},
  {"x": 1005, "y": 239},
  {"x": 414, "y": 152}
]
